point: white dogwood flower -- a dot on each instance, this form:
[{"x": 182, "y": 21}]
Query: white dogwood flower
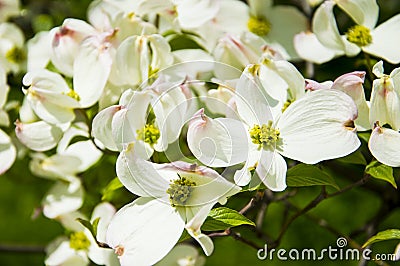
[
  {"x": 173, "y": 197},
  {"x": 80, "y": 246},
  {"x": 316, "y": 127},
  {"x": 365, "y": 36},
  {"x": 153, "y": 117}
]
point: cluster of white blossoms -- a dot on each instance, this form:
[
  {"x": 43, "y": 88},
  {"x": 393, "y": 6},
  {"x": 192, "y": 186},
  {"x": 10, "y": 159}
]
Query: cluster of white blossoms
[{"x": 210, "y": 85}]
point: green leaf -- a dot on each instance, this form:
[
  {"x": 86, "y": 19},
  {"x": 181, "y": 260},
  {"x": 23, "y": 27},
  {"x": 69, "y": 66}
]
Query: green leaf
[
  {"x": 185, "y": 236},
  {"x": 364, "y": 136},
  {"x": 183, "y": 41},
  {"x": 95, "y": 224},
  {"x": 354, "y": 158},
  {"x": 384, "y": 235},
  {"x": 109, "y": 190},
  {"x": 304, "y": 175},
  {"x": 223, "y": 218},
  {"x": 88, "y": 225},
  {"x": 381, "y": 171}
]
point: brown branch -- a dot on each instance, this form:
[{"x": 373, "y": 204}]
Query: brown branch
[
  {"x": 236, "y": 236},
  {"x": 22, "y": 248}
]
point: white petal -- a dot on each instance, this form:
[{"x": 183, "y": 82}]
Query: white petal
[
  {"x": 182, "y": 253},
  {"x": 140, "y": 176},
  {"x": 8, "y": 152},
  {"x": 217, "y": 142},
  {"x": 363, "y": 12},
  {"x": 378, "y": 70},
  {"x": 170, "y": 110},
  {"x": 252, "y": 104},
  {"x": 385, "y": 103},
  {"x": 325, "y": 28},
  {"x": 101, "y": 127},
  {"x": 66, "y": 41},
  {"x": 315, "y": 128},
  {"x": 39, "y": 51},
  {"x": 311, "y": 49},
  {"x": 194, "y": 13},
  {"x": 384, "y": 145},
  {"x": 92, "y": 67},
  {"x": 272, "y": 171},
  {"x": 59, "y": 252},
  {"x": 62, "y": 198},
  {"x": 289, "y": 73},
  {"x": 193, "y": 228},
  {"x": 290, "y": 19},
  {"x": 144, "y": 231},
  {"x": 384, "y": 39},
  {"x": 87, "y": 153},
  {"x": 105, "y": 212},
  {"x": 57, "y": 166},
  {"x": 243, "y": 176},
  {"x": 352, "y": 85},
  {"x": 38, "y": 136}
]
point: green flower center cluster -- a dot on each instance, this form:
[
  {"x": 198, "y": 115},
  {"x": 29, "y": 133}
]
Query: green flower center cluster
[
  {"x": 359, "y": 35},
  {"x": 73, "y": 95},
  {"x": 264, "y": 135},
  {"x": 79, "y": 241},
  {"x": 259, "y": 26},
  {"x": 149, "y": 134},
  {"x": 179, "y": 191}
]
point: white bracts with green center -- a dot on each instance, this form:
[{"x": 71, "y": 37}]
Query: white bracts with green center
[
  {"x": 317, "y": 127},
  {"x": 144, "y": 231},
  {"x": 152, "y": 118},
  {"x": 379, "y": 41}
]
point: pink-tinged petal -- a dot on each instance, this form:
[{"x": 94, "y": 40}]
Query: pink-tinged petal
[
  {"x": 311, "y": 49},
  {"x": 384, "y": 145},
  {"x": 312, "y": 85},
  {"x": 38, "y": 136},
  {"x": 271, "y": 169},
  {"x": 384, "y": 41},
  {"x": 385, "y": 103},
  {"x": 318, "y": 127},
  {"x": 363, "y": 12},
  {"x": 66, "y": 41},
  {"x": 144, "y": 231},
  {"x": 92, "y": 67},
  {"x": 352, "y": 85},
  {"x": 217, "y": 142}
]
